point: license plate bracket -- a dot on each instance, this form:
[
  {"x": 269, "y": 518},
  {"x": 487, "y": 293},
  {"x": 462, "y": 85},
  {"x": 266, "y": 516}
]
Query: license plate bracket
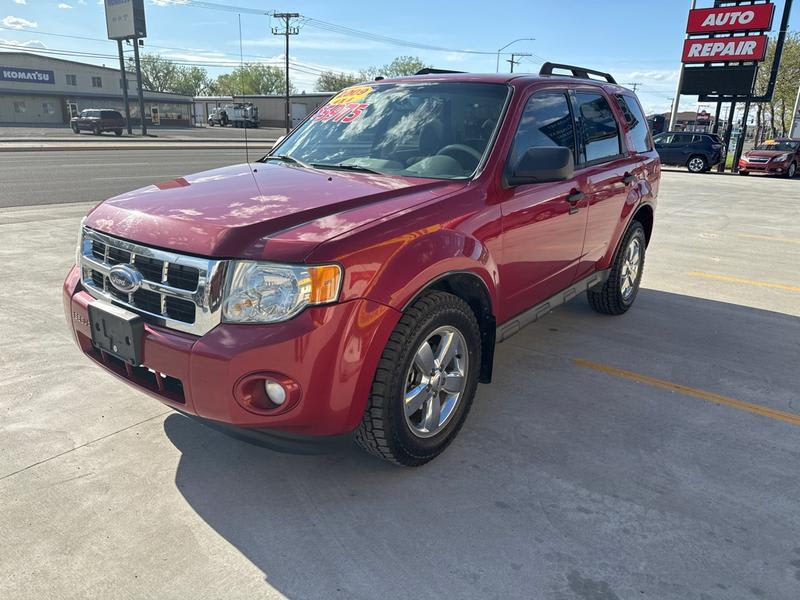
[{"x": 117, "y": 331}]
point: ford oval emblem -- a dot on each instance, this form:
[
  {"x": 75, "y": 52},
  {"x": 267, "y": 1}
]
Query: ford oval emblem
[{"x": 125, "y": 278}]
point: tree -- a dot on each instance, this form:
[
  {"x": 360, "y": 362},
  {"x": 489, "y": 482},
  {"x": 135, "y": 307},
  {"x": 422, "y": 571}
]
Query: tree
[
  {"x": 251, "y": 79},
  {"x": 403, "y": 66},
  {"x": 774, "y": 118},
  {"x": 331, "y": 81},
  {"x": 160, "y": 74},
  {"x": 193, "y": 81}
]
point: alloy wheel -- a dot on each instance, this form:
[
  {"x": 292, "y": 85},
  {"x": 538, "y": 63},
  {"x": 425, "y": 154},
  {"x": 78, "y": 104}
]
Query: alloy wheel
[
  {"x": 631, "y": 264},
  {"x": 435, "y": 381},
  {"x": 696, "y": 165}
]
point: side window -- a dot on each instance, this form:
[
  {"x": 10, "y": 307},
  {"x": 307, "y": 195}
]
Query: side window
[
  {"x": 546, "y": 121},
  {"x": 682, "y": 138},
  {"x": 636, "y": 122},
  {"x": 599, "y": 127}
]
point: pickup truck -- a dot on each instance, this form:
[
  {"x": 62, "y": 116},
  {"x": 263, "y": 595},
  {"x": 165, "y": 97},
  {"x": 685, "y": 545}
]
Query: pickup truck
[{"x": 353, "y": 283}]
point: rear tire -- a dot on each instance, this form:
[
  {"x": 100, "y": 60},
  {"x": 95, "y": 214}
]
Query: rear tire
[
  {"x": 697, "y": 164},
  {"x": 619, "y": 291},
  {"x": 425, "y": 382},
  {"x": 118, "y": 132}
]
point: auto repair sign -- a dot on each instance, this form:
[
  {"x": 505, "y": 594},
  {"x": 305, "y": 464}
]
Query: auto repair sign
[
  {"x": 725, "y": 49},
  {"x": 26, "y": 75},
  {"x": 729, "y": 19}
]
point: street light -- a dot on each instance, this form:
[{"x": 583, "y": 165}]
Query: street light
[{"x": 497, "y": 70}]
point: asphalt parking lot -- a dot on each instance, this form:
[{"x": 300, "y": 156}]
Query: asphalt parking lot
[{"x": 653, "y": 455}]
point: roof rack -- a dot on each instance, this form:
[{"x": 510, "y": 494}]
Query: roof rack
[
  {"x": 432, "y": 71},
  {"x": 579, "y": 72}
]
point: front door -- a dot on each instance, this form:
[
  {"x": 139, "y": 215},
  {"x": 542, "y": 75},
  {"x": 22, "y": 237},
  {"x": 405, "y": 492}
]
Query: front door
[{"x": 543, "y": 223}]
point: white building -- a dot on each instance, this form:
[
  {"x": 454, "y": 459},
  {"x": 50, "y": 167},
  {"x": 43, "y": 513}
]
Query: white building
[{"x": 37, "y": 90}]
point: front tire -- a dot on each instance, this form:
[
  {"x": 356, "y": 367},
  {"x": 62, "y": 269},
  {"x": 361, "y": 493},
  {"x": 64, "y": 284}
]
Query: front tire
[
  {"x": 697, "y": 164},
  {"x": 619, "y": 291},
  {"x": 425, "y": 382},
  {"x": 791, "y": 171}
]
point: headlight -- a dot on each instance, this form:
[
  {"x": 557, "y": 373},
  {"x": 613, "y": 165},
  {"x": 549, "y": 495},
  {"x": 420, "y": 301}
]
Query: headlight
[
  {"x": 782, "y": 157},
  {"x": 258, "y": 292}
]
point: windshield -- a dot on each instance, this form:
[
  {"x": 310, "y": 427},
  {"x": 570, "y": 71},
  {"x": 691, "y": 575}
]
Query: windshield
[
  {"x": 437, "y": 130},
  {"x": 782, "y": 146}
]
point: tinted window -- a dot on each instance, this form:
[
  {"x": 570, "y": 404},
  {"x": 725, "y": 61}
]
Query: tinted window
[
  {"x": 637, "y": 123},
  {"x": 683, "y": 138},
  {"x": 546, "y": 121},
  {"x": 599, "y": 127},
  {"x": 111, "y": 114}
]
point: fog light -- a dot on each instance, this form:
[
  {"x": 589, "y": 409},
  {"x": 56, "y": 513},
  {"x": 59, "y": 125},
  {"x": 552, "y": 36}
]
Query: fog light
[{"x": 275, "y": 392}]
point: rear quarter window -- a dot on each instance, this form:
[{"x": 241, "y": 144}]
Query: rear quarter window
[
  {"x": 636, "y": 123},
  {"x": 599, "y": 128}
]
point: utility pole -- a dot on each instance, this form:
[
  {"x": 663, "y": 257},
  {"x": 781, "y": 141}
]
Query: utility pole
[
  {"x": 124, "y": 87},
  {"x": 497, "y": 70},
  {"x": 516, "y": 62},
  {"x": 286, "y": 32},
  {"x": 139, "y": 82},
  {"x": 634, "y": 85},
  {"x": 673, "y": 118}
]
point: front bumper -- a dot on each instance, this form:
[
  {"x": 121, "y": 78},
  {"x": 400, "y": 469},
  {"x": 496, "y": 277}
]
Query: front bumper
[
  {"x": 771, "y": 167},
  {"x": 330, "y": 352}
]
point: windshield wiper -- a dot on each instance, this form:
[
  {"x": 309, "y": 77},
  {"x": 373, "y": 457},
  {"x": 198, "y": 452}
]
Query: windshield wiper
[
  {"x": 345, "y": 167},
  {"x": 287, "y": 159}
]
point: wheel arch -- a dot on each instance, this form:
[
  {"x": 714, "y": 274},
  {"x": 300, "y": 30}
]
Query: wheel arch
[
  {"x": 645, "y": 215},
  {"x": 471, "y": 288}
]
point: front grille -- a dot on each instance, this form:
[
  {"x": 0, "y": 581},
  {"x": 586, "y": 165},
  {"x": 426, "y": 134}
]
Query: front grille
[
  {"x": 177, "y": 291},
  {"x": 758, "y": 159}
]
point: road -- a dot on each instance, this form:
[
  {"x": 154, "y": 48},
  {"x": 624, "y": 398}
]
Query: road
[{"x": 40, "y": 178}]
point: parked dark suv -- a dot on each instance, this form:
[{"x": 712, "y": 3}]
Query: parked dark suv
[
  {"x": 353, "y": 282},
  {"x": 698, "y": 152},
  {"x": 97, "y": 121}
]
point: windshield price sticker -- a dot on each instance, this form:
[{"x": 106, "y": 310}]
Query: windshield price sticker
[
  {"x": 352, "y": 94},
  {"x": 340, "y": 113}
]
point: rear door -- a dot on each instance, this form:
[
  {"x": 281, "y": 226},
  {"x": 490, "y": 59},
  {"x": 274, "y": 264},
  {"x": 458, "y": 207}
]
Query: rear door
[
  {"x": 542, "y": 229},
  {"x": 606, "y": 172}
]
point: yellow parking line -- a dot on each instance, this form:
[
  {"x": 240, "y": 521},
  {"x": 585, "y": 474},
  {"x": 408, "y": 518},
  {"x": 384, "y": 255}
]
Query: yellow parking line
[
  {"x": 729, "y": 279},
  {"x": 768, "y": 238},
  {"x": 756, "y": 409}
]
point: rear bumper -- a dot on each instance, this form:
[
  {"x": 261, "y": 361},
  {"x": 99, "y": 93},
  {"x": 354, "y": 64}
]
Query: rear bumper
[{"x": 330, "y": 353}]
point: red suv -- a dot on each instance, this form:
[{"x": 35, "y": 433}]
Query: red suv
[{"x": 354, "y": 282}]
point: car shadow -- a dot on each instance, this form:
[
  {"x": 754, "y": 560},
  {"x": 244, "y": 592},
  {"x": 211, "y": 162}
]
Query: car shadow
[{"x": 559, "y": 482}]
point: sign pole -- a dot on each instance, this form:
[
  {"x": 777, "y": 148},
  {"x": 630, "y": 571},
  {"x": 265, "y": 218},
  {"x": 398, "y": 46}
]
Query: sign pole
[
  {"x": 727, "y": 140},
  {"x": 715, "y": 129},
  {"x": 740, "y": 142},
  {"x": 139, "y": 83},
  {"x": 124, "y": 88}
]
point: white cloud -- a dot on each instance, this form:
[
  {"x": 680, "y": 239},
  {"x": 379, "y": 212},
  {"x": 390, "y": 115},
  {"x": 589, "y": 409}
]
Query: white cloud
[
  {"x": 20, "y": 2},
  {"x": 167, "y": 2},
  {"x": 64, "y": 6},
  {"x": 82, "y": 2},
  {"x": 26, "y": 44},
  {"x": 18, "y": 23}
]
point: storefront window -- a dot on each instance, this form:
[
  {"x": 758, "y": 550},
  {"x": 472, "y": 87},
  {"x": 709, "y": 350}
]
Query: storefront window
[
  {"x": 19, "y": 107},
  {"x": 48, "y": 108}
]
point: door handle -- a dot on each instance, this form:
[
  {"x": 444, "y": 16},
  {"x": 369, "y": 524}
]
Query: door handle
[
  {"x": 628, "y": 179},
  {"x": 575, "y": 196}
]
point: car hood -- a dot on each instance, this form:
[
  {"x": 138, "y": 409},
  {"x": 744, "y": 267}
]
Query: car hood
[
  {"x": 235, "y": 211},
  {"x": 766, "y": 153}
]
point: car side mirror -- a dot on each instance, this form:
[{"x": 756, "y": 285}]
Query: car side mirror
[{"x": 541, "y": 164}]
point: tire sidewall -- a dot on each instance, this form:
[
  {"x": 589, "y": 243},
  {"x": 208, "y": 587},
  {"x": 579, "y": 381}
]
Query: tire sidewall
[{"x": 409, "y": 443}]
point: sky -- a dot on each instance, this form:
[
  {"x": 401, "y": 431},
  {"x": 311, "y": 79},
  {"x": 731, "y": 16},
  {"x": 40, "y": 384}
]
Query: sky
[{"x": 638, "y": 41}]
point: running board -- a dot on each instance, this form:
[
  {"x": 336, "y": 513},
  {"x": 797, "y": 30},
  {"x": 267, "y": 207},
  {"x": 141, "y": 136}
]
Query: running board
[{"x": 515, "y": 324}]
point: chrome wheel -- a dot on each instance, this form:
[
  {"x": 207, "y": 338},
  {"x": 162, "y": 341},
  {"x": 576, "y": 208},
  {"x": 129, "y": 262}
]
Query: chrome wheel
[
  {"x": 631, "y": 264},
  {"x": 697, "y": 165},
  {"x": 435, "y": 381}
]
